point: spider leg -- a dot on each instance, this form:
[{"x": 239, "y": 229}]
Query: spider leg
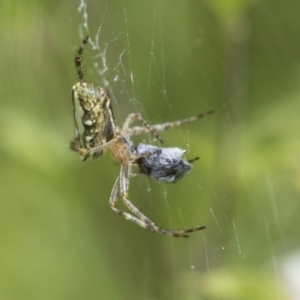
[
  {"x": 112, "y": 204},
  {"x": 146, "y": 127},
  {"x": 135, "y": 174},
  {"x": 103, "y": 146},
  {"x": 78, "y": 60},
  {"x": 124, "y": 187},
  {"x": 123, "y": 184},
  {"x": 193, "y": 159},
  {"x": 125, "y": 215},
  {"x": 76, "y": 146},
  {"x": 164, "y": 126}
]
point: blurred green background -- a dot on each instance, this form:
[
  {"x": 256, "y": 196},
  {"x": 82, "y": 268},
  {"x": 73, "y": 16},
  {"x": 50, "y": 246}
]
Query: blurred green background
[{"x": 167, "y": 60}]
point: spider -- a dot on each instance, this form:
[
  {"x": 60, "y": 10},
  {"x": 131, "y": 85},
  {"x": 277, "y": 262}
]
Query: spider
[{"x": 96, "y": 130}]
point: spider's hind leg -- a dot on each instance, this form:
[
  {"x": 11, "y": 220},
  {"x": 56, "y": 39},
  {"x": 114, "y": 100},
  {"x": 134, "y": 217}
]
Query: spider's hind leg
[{"x": 121, "y": 186}]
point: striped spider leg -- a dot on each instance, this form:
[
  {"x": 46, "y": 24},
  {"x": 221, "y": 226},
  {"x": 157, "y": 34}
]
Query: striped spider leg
[{"x": 165, "y": 126}]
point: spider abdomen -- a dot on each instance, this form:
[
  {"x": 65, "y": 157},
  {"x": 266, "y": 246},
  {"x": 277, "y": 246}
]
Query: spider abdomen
[{"x": 93, "y": 117}]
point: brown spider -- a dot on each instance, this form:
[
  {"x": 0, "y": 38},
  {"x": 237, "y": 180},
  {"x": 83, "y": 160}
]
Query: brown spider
[{"x": 96, "y": 130}]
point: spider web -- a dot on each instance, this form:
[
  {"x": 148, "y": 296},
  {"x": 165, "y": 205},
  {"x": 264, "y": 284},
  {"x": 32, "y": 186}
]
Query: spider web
[
  {"x": 156, "y": 61},
  {"x": 166, "y": 60}
]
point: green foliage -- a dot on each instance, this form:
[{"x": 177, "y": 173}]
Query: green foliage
[{"x": 168, "y": 60}]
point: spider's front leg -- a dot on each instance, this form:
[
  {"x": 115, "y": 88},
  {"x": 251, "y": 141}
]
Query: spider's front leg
[
  {"x": 165, "y": 126},
  {"x": 91, "y": 153},
  {"x": 146, "y": 126},
  {"x": 76, "y": 146}
]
